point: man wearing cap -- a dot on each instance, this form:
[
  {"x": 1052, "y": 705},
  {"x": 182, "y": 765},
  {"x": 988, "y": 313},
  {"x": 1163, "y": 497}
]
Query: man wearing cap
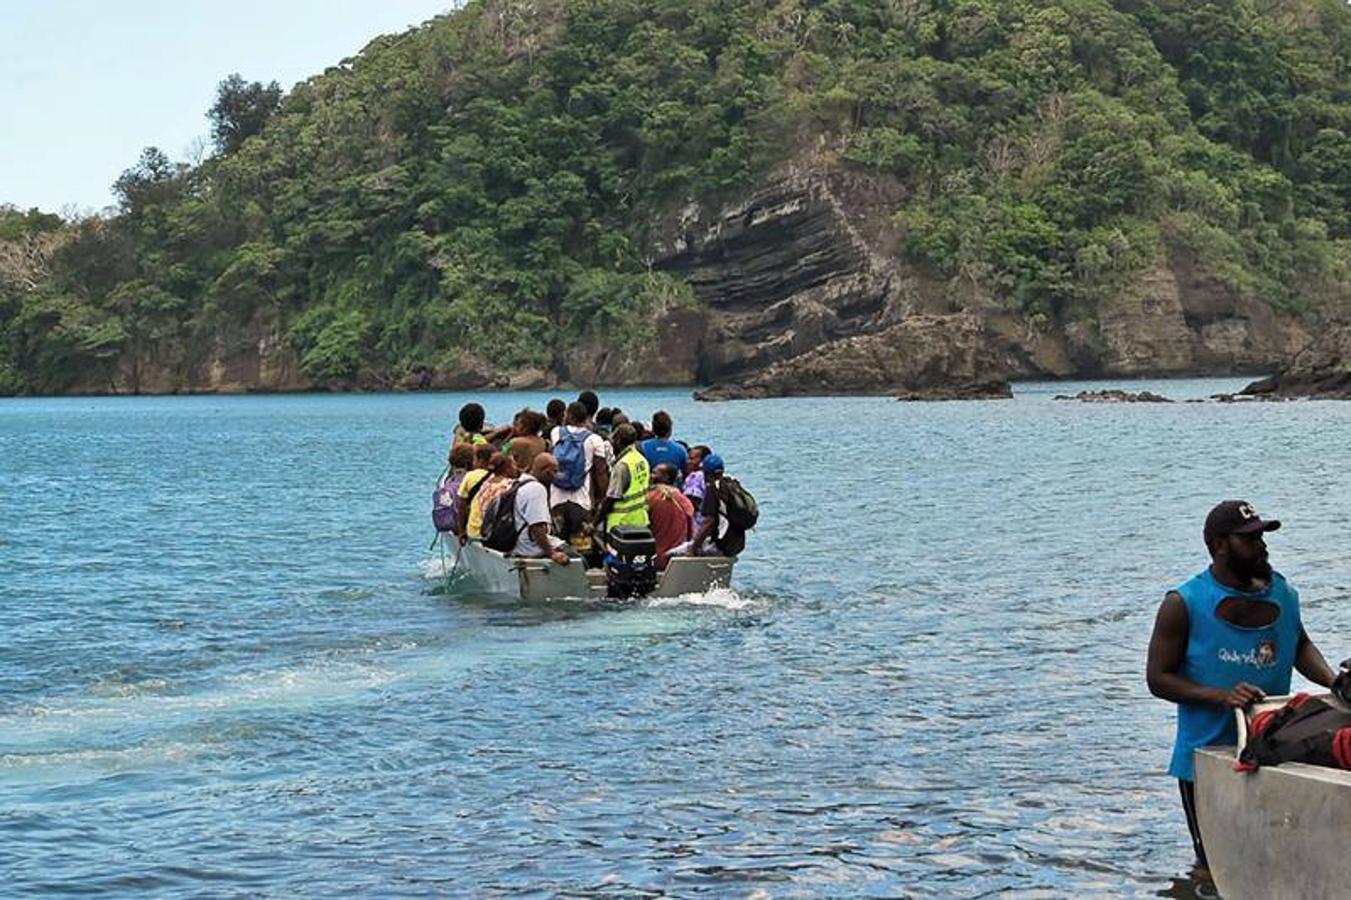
[
  {"x": 1225, "y": 638},
  {"x": 727, "y": 539}
]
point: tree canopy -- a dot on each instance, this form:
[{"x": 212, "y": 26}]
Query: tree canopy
[{"x": 486, "y": 184}]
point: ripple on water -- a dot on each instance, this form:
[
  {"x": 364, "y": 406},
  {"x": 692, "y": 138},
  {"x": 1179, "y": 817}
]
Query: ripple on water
[{"x": 926, "y": 681}]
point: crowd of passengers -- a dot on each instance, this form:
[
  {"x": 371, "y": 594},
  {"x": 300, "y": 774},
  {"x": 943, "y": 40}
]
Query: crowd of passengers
[{"x": 584, "y": 470}]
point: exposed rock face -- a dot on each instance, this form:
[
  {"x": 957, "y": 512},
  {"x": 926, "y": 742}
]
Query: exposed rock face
[
  {"x": 1322, "y": 370},
  {"x": 794, "y": 272},
  {"x": 671, "y": 358},
  {"x": 782, "y": 272},
  {"x": 252, "y": 357},
  {"x": 1177, "y": 319},
  {"x": 920, "y": 353}
]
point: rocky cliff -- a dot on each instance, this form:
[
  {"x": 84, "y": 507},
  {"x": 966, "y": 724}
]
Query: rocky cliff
[
  {"x": 1322, "y": 370},
  {"x": 804, "y": 294}
]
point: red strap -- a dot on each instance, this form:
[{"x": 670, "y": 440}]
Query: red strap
[{"x": 1341, "y": 748}]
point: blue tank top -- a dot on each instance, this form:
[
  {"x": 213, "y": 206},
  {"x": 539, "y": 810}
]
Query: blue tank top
[{"x": 1221, "y": 654}]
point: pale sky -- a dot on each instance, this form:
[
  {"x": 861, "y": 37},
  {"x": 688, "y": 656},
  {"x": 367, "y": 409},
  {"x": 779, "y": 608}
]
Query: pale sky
[{"x": 85, "y": 85}]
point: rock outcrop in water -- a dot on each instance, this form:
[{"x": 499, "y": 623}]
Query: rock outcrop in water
[
  {"x": 1321, "y": 371},
  {"x": 1116, "y": 396}
]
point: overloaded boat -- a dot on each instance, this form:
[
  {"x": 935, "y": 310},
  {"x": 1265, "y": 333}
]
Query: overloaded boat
[
  {"x": 1275, "y": 833},
  {"x": 628, "y": 573},
  {"x": 538, "y": 513}
]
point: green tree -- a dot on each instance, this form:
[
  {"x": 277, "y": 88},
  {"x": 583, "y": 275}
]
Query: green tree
[{"x": 241, "y": 110}]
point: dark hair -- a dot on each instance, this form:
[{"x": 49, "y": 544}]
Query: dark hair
[
  {"x": 499, "y": 462},
  {"x": 703, "y": 449},
  {"x": 530, "y": 421},
  {"x": 625, "y": 436},
  {"x": 618, "y": 418},
  {"x": 471, "y": 417},
  {"x": 661, "y": 423},
  {"x": 604, "y": 416},
  {"x": 590, "y": 401},
  {"x": 462, "y": 456},
  {"x": 665, "y": 473},
  {"x": 483, "y": 454},
  {"x": 555, "y": 410},
  {"x": 577, "y": 413},
  {"x": 537, "y": 422}
]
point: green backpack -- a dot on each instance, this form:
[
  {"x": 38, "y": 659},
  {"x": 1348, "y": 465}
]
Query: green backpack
[{"x": 738, "y": 505}]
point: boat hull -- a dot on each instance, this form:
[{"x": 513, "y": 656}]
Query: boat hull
[
  {"x": 538, "y": 580},
  {"x": 1276, "y": 833}
]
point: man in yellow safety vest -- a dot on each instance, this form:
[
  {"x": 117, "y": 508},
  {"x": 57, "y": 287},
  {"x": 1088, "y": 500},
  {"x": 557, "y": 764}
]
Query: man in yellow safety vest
[{"x": 625, "y": 502}]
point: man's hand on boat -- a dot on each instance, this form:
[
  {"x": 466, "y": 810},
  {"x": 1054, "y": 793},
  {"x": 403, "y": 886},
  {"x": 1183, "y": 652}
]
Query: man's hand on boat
[
  {"x": 559, "y": 557},
  {"x": 1242, "y": 695}
]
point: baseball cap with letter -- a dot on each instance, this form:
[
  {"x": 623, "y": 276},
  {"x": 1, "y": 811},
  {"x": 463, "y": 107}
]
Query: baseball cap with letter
[{"x": 1235, "y": 517}]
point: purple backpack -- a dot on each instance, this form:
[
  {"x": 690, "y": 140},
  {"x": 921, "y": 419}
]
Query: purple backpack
[{"x": 446, "y": 504}]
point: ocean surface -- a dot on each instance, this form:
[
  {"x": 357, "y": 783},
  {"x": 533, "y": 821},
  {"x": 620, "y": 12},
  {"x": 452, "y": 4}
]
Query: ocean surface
[{"x": 232, "y": 667}]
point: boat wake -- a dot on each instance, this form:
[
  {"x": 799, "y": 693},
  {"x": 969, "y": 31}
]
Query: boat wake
[{"x": 721, "y": 598}]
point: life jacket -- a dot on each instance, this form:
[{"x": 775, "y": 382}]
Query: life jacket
[
  {"x": 570, "y": 451},
  {"x": 446, "y": 503},
  {"x": 631, "y": 509},
  {"x": 1307, "y": 729}
]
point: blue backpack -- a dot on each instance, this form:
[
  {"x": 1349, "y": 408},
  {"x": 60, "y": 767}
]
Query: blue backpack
[{"x": 570, "y": 451}]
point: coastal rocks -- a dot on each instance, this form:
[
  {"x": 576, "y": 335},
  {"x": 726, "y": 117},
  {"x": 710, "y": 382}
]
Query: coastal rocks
[
  {"x": 801, "y": 263},
  {"x": 670, "y": 356},
  {"x": 922, "y": 354},
  {"x": 1115, "y": 396},
  {"x": 781, "y": 272},
  {"x": 988, "y": 390},
  {"x": 1178, "y": 318},
  {"x": 1143, "y": 329},
  {"x": 1322, "y": 370}
]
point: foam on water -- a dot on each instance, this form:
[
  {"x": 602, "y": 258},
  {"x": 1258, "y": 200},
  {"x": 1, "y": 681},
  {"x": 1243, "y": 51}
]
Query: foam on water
[
  {"x": 721, "y": 598},
  {"x": 101, "y": 760},
  {"x": 274, "y": 690}
]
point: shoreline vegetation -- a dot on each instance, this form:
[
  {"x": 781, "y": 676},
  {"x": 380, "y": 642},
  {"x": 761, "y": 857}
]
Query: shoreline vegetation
[
  {"x": 768, "y": 199},
  {"x": 1116, "y": 390}
]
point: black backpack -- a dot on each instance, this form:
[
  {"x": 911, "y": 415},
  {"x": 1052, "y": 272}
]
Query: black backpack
[
  {"x": 1307, "y": 729},
  {"x": 738, "y": 505},
  {"x": 499, "y": 521}
]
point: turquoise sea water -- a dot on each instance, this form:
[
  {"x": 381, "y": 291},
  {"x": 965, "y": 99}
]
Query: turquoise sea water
[{"x": 229, "y": 667}]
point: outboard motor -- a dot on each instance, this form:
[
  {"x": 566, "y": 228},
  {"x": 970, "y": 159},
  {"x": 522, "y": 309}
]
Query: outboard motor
[{"x": 631, "y": 563}]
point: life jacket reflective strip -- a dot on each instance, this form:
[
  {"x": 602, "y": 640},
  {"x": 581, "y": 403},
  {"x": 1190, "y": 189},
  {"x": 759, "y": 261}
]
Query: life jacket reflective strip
[{"x": 631, "y": 509}]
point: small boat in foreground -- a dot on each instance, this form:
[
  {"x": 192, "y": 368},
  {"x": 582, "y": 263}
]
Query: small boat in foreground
[
  {"x": 1275, "y": 833},
  {"x": 535, "y": 580}
]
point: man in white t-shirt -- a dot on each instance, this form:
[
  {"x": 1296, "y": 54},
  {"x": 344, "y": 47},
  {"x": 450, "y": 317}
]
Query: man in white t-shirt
[
  {"x": 572, "y": 507},
  {"x": 532, "y": 514}
]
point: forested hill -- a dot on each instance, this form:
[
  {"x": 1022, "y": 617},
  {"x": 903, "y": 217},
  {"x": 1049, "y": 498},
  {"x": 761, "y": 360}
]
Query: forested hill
[{"x": 674, "y": 191}]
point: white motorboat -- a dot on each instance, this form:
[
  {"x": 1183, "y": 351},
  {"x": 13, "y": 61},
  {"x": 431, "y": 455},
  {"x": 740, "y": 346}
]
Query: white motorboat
[
  {"x": 535, "y": 580},
  {"x": 1275, "y": 833}
]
